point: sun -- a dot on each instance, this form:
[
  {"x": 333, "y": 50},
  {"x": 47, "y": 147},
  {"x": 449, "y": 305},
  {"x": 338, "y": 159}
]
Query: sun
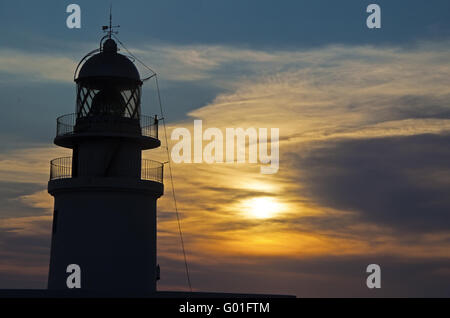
[{"x": 262, "y": 207}]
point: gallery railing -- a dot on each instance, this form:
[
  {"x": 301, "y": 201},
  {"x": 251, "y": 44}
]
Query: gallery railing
[
  {"x": 66, "y": 125},
  {"x": 61, "y": 168}
]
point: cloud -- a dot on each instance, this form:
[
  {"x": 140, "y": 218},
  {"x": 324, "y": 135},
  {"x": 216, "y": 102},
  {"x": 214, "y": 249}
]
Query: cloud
[
  {"x": 397, "y": 182},
  {"x": 352, "y": 119},
  {"x": 35, "y": 67},
  {"x": 24, "y": 250},
  {"x": 29, "y": 164},
  {"x": 25, "y": 229},
  {"x": 10, "y": 192},
  {"x": 325, "y": 276},
  {"x": 349, "y": 119}
]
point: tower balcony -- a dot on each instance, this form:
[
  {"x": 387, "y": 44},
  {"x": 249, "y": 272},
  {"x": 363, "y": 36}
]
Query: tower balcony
[
  {"x": 61, "y": 168},
  {"x": 70, "y": 129}
]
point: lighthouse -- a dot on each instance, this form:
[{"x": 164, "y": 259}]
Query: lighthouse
[{"x": 104, "y": 218}]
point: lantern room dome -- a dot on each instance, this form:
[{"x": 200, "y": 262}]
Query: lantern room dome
[{"x": 109, "y": 63}]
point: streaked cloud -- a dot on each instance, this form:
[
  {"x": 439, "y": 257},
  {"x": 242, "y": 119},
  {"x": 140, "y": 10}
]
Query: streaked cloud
[
  {"x": 350, "y": 117},
  {"x": 35, "y": 67}
]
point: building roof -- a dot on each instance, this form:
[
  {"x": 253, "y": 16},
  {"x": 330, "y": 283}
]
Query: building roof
[{"x": 109, "y": 63}]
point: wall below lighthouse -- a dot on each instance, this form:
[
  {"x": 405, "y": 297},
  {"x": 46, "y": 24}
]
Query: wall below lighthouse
[{"x": 107, "y": 226}]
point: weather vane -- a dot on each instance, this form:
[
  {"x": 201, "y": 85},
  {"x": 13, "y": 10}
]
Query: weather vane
[{"x": 110, "y": 29}]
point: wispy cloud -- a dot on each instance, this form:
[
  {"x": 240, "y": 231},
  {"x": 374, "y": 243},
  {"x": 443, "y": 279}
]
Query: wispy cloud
[
  {"x": 35, "y": 67},
  {"x": 332, "y": 105}
]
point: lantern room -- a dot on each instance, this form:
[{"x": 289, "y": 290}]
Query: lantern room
[{"x": 108, "y": 84}]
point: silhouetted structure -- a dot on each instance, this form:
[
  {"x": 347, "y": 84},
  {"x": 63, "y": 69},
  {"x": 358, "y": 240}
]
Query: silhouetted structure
[{"x": 105, "y": 194}]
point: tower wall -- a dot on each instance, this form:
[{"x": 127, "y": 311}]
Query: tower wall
[
  {"x": 108, "y": 230},
  {"x": 105, "y": 198},
  {"x": 108, "y": 157}
]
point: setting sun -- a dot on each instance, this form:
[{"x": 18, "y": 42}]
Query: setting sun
[{"x": 262, "y": 207}]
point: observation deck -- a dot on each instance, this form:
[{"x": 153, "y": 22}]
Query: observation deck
[
  {"x": 61, "y": 168},
  {"x": 71, "y": 128},
  {"x": 150, "y": 180}
]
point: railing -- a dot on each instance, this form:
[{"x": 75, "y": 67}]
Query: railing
[
  {"x": 66, "y": 124},
  {"x": 152, "y": 170},
  {"x": 61, "y": 168},
  {"x": 149, "y": 127}
]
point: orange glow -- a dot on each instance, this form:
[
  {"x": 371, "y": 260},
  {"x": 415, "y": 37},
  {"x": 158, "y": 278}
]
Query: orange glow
[{"x": 262, "y": 207}]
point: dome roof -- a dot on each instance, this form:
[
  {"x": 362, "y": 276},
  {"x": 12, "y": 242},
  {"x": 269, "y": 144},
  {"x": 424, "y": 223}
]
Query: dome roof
[{"x": 109, "y": 63}]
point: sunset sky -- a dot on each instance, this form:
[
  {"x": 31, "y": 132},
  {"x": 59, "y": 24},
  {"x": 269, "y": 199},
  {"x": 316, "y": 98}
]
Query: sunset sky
[{"x": 364, "y": 119}]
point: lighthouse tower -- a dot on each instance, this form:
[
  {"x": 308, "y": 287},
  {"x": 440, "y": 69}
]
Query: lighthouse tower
[{"x": 105, "y": 194}]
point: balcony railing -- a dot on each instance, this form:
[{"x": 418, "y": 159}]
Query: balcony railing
[
  {"x": 61, "y": 168},
  {"x": 152, "y": 170},
  {"x": 66, "y": 124}
]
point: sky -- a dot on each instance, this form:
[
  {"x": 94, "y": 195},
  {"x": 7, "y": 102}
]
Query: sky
[{"x": 364, "y": 119}]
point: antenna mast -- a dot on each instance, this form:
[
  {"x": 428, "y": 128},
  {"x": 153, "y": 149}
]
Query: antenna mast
[
  {"x": 110, "y": 29},
  {"x": 110, "y": 20}
]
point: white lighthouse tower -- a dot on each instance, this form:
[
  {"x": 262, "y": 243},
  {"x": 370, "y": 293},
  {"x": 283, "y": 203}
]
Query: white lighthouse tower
[{"x": 105, "y": 193}]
